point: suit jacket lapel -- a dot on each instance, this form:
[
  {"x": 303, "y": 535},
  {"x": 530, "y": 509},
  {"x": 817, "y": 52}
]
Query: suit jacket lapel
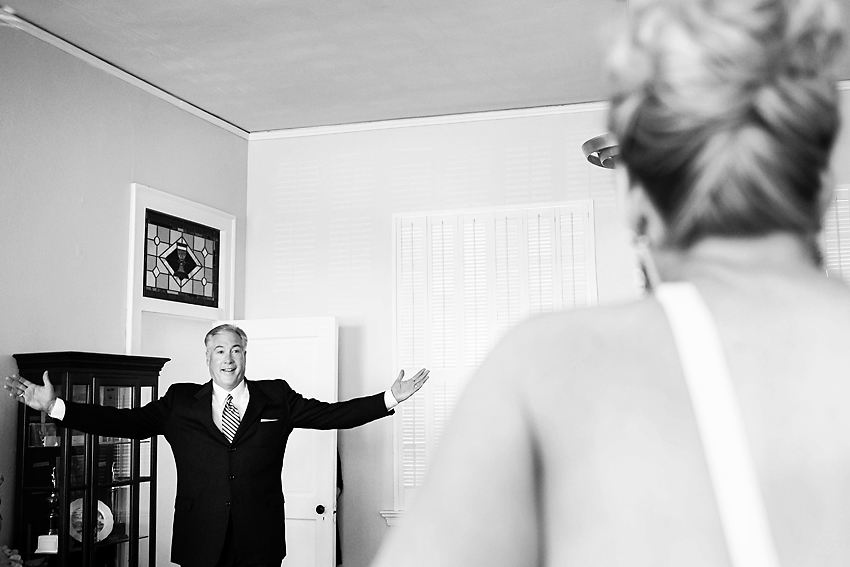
[
  {"x": 256, "y": 403},
  {"x": 202, "y": 409}
]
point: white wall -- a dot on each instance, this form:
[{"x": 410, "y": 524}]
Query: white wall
[
  {"x": 72, "y": 140},
  {"x": 320, "y": 243}
]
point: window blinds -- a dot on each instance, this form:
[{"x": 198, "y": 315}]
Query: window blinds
[
  {"x": 462, "y": 281},
  {"x": 835, "y": 238}
]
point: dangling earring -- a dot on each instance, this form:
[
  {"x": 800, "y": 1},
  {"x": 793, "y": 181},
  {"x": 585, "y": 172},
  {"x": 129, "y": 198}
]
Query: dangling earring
[{"x": 643, "y": 251}]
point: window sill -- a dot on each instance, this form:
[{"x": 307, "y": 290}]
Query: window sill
[{"x": 392, "y": 517}]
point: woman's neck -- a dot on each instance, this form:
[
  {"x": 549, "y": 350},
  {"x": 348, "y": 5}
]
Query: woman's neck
[{"x": 774, "y": 253}]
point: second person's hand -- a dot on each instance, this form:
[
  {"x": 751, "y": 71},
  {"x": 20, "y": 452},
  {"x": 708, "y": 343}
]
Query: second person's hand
[
  {"x": 37, "y": 396},
  {"x": 403, "y": 389}
]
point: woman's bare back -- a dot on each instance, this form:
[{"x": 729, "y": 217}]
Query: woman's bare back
[{"x": 624, "y": 479}]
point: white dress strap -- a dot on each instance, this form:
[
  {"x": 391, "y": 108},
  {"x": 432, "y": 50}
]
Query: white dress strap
[{"x": 730, "y": 464}]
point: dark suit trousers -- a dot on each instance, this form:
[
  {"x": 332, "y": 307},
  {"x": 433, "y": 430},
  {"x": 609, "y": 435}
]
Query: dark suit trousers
[{"x": 229, "y": 555}]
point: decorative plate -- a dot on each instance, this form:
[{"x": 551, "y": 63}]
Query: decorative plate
[{"x": 104, "y": 520}]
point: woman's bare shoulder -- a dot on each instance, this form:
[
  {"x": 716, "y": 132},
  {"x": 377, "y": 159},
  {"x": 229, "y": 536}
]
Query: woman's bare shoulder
[{"x": 592, "y": 343}]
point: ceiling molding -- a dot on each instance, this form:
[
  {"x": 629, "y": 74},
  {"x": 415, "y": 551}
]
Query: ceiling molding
[
  {"x": 445, "y": 119},
  {"x": 429, "y": 121},
  {"x": 8, "y": 17}
]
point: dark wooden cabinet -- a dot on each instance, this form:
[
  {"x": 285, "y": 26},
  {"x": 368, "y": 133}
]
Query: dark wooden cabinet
[{"x": 86, "y": 500}]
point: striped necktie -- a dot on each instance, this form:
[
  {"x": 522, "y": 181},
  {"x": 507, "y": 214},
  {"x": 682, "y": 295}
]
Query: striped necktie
[{"x": 229, "y": 419}]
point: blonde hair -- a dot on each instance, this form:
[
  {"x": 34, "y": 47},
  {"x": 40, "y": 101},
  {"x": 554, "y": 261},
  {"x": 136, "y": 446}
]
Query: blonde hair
[{"x": 726, "y": 112}]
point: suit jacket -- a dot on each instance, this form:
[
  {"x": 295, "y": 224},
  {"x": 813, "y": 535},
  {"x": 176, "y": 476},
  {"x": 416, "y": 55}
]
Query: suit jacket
[{"x": 217, "y": 480}]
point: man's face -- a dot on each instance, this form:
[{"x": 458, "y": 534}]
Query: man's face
[{"x": 226, "y": 359}]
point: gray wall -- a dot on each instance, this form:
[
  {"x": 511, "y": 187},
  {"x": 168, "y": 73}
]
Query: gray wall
[{"x": 72, "y": 140}]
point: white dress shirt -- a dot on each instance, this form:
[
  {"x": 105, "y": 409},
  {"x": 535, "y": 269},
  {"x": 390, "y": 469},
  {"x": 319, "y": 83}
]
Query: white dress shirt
[{"x": 219, "y": 396}]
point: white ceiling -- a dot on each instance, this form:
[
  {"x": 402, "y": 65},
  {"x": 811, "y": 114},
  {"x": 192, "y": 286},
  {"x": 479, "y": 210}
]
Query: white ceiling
[{"x": 278, "y": 64}]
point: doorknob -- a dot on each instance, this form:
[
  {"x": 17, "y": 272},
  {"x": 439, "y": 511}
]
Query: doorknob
[{"x": 320, "y": 509}]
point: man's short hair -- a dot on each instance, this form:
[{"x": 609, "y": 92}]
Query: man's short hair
[{"x": 224, "y": 328}]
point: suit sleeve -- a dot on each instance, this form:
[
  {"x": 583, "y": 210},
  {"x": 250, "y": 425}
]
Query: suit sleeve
[
  {"x": 308, "y": 413},
  {"x": 135, "y": 423}
]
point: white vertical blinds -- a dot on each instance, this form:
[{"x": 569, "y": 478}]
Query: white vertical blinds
[
  {"x": 410, "y": 340},
  {"x": 410, "y": 293},
  {"x": 442, "y": 293},
  {"x": 835, "y": 238},
  {"x": 462, "y": 281},
  {"x": 474, "y": 298},
  {"x": 572, "y": 258},
  {"x": 507, "y": 270},
  {"x": 540, "y": 248}
]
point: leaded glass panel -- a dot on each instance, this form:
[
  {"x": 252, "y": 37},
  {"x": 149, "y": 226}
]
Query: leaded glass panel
[{"x": 181, "y": 260}]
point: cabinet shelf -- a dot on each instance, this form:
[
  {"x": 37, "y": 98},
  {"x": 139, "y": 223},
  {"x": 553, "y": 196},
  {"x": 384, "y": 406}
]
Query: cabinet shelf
[
  {"x": 39, "y": 489},
  {"x": 96, "y": 493},
  {"x": 113, "y": 541}
]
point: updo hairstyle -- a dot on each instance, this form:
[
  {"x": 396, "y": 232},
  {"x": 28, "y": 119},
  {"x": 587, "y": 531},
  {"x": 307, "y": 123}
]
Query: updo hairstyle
[{"x": 726, "y": 112}]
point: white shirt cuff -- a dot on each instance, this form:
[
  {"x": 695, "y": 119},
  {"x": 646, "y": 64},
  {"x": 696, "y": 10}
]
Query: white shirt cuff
[
  {"x": 389, "y": 400},
  {"x": 58, "y": 411}
]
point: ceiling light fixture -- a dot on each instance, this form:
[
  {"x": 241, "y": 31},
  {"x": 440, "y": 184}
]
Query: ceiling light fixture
[{"x": 601, "y": 150}]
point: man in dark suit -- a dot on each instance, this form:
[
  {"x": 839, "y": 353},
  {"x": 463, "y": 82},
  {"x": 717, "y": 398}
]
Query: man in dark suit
[{"x": 228, "y": 437}]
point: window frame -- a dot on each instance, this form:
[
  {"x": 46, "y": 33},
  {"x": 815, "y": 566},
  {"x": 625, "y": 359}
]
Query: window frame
[{"x": 415, "y": 269}]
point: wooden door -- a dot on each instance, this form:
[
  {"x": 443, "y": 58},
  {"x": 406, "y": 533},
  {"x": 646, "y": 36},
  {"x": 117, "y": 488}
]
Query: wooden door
[{"x": 302, "y": 351}]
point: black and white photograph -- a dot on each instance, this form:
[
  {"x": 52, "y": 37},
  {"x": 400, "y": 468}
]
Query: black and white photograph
[{"x": 482, "y": 283}]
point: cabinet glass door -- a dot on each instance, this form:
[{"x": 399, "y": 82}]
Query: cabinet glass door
[
  {"x": 114, "y": 485},
  {"x": 84, "y": 499},
  {"x": 79, "y": 495},
  {"x": 146, "y": 464},
  {"x": 40, "y": 485}
]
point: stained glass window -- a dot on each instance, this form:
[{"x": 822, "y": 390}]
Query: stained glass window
[{"x": 181, "y": 260}]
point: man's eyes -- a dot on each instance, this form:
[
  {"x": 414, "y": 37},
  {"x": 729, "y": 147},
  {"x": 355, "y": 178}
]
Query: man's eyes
[{"x": 234, "y": 351}]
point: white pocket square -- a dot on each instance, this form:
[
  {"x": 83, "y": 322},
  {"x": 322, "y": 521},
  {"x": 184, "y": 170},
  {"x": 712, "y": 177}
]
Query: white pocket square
[{"x": 267, "y": 420}]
